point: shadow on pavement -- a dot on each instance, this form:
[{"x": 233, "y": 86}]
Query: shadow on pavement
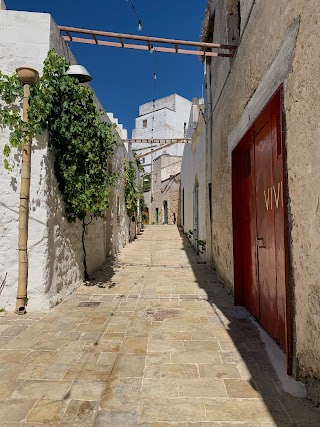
[{"x": 285, "y": 409}]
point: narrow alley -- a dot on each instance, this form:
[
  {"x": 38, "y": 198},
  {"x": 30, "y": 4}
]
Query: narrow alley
[{"x": 154, "y": 341}]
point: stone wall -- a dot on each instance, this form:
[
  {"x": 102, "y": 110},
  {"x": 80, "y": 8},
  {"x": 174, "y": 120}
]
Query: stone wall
[
  {"x": 278, "y": 46},
  {"x": 166, "y": 187}
]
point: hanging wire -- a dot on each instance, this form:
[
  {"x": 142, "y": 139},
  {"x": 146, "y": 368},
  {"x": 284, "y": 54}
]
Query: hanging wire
[
  {"x": 154, "y": 51},
  {"x": 140, "y": 26}
]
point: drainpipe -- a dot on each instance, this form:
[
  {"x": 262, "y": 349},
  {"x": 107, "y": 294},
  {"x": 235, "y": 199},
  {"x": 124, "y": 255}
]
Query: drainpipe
[{"x": 27, "y": 76}]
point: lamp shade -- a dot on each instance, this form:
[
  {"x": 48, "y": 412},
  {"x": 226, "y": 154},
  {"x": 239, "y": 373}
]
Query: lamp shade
[
  {"x": 80, "y": 72},
  {"x": 27, "y": 75}
]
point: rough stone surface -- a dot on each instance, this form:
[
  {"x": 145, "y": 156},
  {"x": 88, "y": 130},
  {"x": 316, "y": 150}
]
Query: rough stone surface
[
  {"x": 110, "y": 366},
  {"x": 278, "y": 45}
]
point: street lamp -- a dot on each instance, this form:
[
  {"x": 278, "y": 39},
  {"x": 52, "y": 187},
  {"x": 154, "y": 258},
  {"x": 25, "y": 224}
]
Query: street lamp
[
  {"x": 27, "y": 77},
  {"x": 80, "y": 72}
]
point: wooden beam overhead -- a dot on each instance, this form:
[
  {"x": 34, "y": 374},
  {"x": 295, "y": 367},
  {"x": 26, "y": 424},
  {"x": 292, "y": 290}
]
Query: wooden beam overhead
[
  {"x": 146, "y": 43},
  {"x": 159, "y": 141}
]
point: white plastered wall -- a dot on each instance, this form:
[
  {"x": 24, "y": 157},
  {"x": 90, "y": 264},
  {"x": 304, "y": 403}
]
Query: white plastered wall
[{"x": 54, "y": 245}]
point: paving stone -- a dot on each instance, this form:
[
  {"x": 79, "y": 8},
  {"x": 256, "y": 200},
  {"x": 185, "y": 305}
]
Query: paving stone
[
  {"x": 47, "y": 411},
  {"x": 195, "y": 357},
  {"x": 89, "y": 372},
  {"x": 115, "y": 419},
  {"x": 155, "y": 388},
  {"x": 7, "y": 387},
  {"x": 15, "y": 410},
  {"x": 12, "y": 356},
  {"x": 41, "y": 356},
  {"x": 246, "y": 410},
  {"x": 136, "y": 345},
  {"x": 172, "y": 410},
  {"x": 54, "y": 372},
  {"x": 202, "y": 388},
  {"x": 80, "y": 413},
  {"x": 56, "y": 390},
  {"x": 86, "y": 390},
  {"x": 219, "y": 370},
  {"x": 158, "y": 358},
  {"x": 129, "y": 365},
  {"x": 122, "y": 394},
  {"x": 172, "y": 371}
]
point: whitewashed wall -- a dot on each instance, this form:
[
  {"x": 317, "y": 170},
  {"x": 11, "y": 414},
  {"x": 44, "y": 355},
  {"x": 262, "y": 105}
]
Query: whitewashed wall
[
  {"x": 193, "y": 172},
  {"x": 54, "y": 245}
]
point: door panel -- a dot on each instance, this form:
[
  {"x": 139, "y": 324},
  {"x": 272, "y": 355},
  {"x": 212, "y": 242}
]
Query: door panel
[
  {"x": 248, "y": 212},
  {"x": 266, "y": 231},
  {"x": 195, "y": 218},
  {"x": 278, "y": 187}
]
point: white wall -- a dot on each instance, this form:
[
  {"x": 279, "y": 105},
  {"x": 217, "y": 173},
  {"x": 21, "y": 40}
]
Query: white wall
[
  {"x": 54, "y": 245},
  {"x": 193, "y": 171}
]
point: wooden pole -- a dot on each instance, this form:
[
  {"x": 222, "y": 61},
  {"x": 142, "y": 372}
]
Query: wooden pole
[{"x": 24, "y": 213}]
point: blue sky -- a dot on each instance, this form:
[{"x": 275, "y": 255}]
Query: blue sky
[{"x": 123, "y": 79}]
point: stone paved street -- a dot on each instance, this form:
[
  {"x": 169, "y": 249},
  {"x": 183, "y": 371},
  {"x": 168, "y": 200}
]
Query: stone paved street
[{"x": 161, "y": 347}]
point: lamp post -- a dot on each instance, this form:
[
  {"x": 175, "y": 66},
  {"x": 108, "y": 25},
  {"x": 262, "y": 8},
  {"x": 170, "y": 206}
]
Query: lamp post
[{"x": 27, "y": 77}]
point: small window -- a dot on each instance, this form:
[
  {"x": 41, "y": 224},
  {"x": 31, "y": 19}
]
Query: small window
[
  {"x": 185, "y": 130},
  {"x": 145, "y": 123},
  {"x": 143, "y": 159}
]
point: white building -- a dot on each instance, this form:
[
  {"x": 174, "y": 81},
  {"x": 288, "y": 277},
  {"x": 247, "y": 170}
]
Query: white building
[
  {"x": 193, "y": 180},
  {"x": 166, "y": 118}
]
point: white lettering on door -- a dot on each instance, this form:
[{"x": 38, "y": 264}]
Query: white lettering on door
[
  {"x": 267, "y": 200},
  {"x": 273, "y": 193}
]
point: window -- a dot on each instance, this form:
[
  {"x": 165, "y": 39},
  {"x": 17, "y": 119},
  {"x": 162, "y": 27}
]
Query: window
[
  {"x": 145, "y": 123},
  {"x": 143, "y": 159},
  {"x": 185, "y": 130}
]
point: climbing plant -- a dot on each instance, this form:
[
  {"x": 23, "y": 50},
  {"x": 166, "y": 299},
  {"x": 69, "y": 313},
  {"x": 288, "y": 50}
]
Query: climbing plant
[
  {"x": 79, "y": 138},
  {"x": 132, "y": 192}
]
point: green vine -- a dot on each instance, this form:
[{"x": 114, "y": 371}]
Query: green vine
[
  {"x": 78, "y": 137},
  {"x": 132, "y": 192}
]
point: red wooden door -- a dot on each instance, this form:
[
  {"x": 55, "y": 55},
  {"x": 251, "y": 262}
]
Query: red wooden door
[
  {"x": 248, "y": 228},
  {"x": 259, "y": 222},
  {"x": 265, "y": 228}
]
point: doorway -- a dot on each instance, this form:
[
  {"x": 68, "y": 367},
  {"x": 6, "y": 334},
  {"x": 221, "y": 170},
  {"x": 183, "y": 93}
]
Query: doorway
[
  {"x": 259, "y": 222},
  {"x": 195, "y": 217},
  {"x": 157, "y": 215},
  {"x": 165, "y": 212}
]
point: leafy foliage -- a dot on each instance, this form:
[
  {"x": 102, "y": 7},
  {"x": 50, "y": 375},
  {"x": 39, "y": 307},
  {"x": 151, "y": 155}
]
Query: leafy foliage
[
  {"x": 132, "y": 192},
  {"x": 147, "y": 182},
  {"x": 79, "y": 138},
  {"x": 139, "y": 164}
]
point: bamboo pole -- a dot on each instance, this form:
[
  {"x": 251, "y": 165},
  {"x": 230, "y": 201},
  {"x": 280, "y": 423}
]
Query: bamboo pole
[
  {"x": 24, "y": 213},
  {"x": 26, "y": 76}
]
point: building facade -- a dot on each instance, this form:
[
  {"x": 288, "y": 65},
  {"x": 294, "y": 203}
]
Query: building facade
[
  {"x": 193, "y": 181},
  {"x": 163, "y": 201},
  {"x": 262, "y": 175}
]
